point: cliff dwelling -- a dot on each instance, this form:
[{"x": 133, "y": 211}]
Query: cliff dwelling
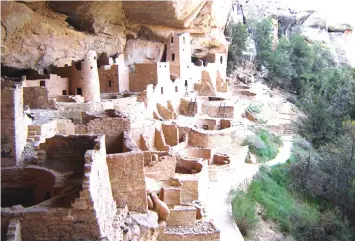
[{"x": 116, "y": 143}]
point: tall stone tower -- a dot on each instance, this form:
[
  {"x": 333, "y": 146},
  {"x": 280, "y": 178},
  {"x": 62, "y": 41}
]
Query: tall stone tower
[{"x": 89, "y": 81}]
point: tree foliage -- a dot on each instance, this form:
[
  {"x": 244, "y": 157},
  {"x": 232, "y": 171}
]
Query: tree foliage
[
  {"x": 262, "y": 36},
  {"x": 238, "y": 34}
]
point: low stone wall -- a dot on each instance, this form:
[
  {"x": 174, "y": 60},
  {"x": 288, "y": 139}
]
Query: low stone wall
[
  {"x": 182, "y": 216},
  {"x": 194, "y": 183},
  {"x": 213, "y": 109},
  {"x": 210, "y": 138},
  {"x": 51, "y": 128},
  {"x": 203, "y": 153},
  {"x": 202, "y": 231},
  {"x": 70, "y": 98},
  {"x": 161, "y": 168}
]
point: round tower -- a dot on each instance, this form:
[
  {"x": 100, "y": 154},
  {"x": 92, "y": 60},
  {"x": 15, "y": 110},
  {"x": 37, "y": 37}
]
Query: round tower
[{"x": 89, "y": 80}]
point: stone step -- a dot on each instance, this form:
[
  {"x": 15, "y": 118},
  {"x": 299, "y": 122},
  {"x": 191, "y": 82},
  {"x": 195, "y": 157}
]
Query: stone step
[
  {"x": 30, "y": 140},
  {"x": 37, "y": 138}
]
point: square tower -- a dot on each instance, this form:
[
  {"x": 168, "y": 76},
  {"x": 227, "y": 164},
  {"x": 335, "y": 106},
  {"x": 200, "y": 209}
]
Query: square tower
[{"x": 179, "y": 49}]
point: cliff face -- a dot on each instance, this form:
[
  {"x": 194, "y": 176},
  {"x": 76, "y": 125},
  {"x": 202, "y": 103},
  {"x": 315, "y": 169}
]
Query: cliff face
[
  {"x": 310, "y": 23},
  {"x": 40, "y": 34}
]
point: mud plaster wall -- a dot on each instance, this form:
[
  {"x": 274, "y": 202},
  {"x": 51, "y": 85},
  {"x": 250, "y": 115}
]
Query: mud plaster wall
[
  {"x": 55, "y": 85},
  {"x": 113, "y": 129},
  {"x": 13, "y": 125},
  {"x": 210, "y": 139},
  {"x": 127, "y": 180},
  {"x": 37, "y": 98},
  {"x": 143, "y": 75}
]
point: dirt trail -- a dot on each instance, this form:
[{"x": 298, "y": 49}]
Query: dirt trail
[{"x": 237, "y": 173}]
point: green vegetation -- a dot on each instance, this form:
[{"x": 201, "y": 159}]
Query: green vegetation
[
  {"x": 303, "y": 218},
  {"x": 262, "y": 36},
  {"x": 312, "y": 197},
  {"x": 238, "y": 34},
  {"x": 256, "y": 108},
  {"x": 263, "y": 144},
  {"x": 244, "y": 211}
]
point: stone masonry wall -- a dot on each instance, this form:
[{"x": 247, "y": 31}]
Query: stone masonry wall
[
  {"x": 171, "y": 134},
  {"x": 112, "y": 128},
  {"x": 91, "y": 216},
  {"x": 55, "y": 85},
  {"x": 210, "y": 139},
  {"x": 161, "y": 169},
  {"x": 127, "y": 180},
  {"x": 14, "y": 231},
  {"x": 67, "y": 152},
  {"x": 37, "y": 98},
  {"x": 109, "y": 79},
  {"x": 143, "y": 75},
  {"x": 13, "y": 125}
]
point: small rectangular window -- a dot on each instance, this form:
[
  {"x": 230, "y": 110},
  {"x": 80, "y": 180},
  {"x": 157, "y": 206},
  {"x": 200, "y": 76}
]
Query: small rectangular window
[
  {"x": 42, "y": 83},
  {"x": 183, "y": 40},
  {"x": 162, "y": 90},
  {"x": 221, "y": 59},
  {"x": 109, "y": 83},
  {"x": 64, "y": 92},
  {"x": 173, "y": 57},
  {"x": 172, "y": 39},
  {"x": 78, "y": 91},
  {"x": 176, "y": 89}
]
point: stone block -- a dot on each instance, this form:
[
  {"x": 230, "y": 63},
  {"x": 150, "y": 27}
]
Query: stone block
[
  {"x": 171, "y": 195},
  {"x": 182, "y": 216}
]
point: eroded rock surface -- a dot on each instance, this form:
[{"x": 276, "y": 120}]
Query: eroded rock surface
[{"x": 39, "y": 34}]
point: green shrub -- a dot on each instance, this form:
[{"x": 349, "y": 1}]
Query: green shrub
[
  {"x": 263, "y": 144},
  {"x": 304, "y": 218},
  {"x": 256, "y": 108},
  {"x": 244, "y": 211}
]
